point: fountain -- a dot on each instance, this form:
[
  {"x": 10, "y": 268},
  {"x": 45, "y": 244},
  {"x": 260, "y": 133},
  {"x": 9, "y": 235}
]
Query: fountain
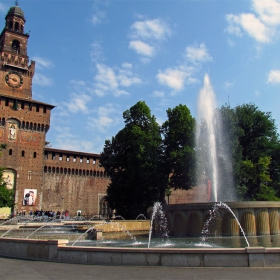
[
  {"x": 256, "y": 222},
  {"x": 214, "y": 167},
  {"x": 161, "y": 223}
]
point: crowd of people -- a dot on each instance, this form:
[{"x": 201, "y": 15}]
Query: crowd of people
[{"x": 47, "y": 214}]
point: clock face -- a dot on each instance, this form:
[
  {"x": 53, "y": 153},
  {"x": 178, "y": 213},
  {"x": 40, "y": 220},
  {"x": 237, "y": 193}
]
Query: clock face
[{"x": 14, "y": 79}]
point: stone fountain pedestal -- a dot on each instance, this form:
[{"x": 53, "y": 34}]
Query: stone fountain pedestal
[{"x": 255, "y": 217}]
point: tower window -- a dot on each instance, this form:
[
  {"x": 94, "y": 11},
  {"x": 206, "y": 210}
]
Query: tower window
[
  {"x": 16, "y": 26},
  {"x": 22, "y": 153},
  {"x": 7, "y": 102},
  {"x": 15, "y": 46},
  {"x": 10, "y": 152},
  {"x": 37, "y": 108},
  {"x": 34, "y": 155}
]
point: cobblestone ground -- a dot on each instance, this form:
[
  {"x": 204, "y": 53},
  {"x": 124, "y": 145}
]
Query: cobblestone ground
[{"x": 23, "y": 269}]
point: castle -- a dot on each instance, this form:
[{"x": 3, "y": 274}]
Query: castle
[{"x": 43, "y": 177}]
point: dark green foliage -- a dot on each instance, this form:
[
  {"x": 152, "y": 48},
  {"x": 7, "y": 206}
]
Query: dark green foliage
[
  {"x": 132, "y": 160},
  {"x": 6, "y": 196},
  {"x": 179, "y": 154},
  {"x": 140, "y": 162},
  {"x": 255, "y": 147}
]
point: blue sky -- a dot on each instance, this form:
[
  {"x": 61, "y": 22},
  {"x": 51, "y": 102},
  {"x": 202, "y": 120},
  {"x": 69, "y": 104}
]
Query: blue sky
[{"x": 96, "y": 59}]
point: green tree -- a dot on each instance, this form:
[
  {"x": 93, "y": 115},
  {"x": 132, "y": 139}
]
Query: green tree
[
  {"x": 178, "y": 147},
  {"x": 145, "y": 161},
  {"x": 6, "y": 196},
  {"x": 255, "y": 147},
  {"x": 132, "y": 158}
]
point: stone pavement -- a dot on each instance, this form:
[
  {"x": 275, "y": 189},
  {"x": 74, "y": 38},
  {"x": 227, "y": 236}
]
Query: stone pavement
[{"x": 28, "y": 270}]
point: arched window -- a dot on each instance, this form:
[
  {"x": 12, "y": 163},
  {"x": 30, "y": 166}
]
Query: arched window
[
  {"x": 16, "y": 46},
  {"x": 16, "y": 26}
]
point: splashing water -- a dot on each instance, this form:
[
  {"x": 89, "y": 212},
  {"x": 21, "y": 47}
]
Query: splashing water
[
  {"x": 141, "y": 216},
  {"x": 106, "y": 223},
  {"x": 159, "y": 218},
  {"x": 213, "y": 156},
  {"x": 213, "y": 216}
]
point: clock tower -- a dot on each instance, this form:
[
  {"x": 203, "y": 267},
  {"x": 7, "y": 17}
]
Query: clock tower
[
  {"x": 24, "y": 121},
  {"x": 15, "y": 71}
]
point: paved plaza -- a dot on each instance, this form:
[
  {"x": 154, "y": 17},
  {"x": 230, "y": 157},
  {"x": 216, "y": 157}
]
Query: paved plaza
[{"x": 13, "y": 269}]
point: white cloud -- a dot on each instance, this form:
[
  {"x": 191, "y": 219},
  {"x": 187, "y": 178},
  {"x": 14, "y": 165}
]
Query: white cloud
[
  {"x": 198, "y": 54},
  {"x": 96, "y": 53},
  {"x": 111, "y": 80},
  {"x": 78, "y": 103},
  {"x": 158, "y": 94},
  {"x": 67, "y": 141},
  {"x": 274, "y": 77},
  {"x": 41, "y": 80},
  {"x": 268, "y": 11},
  {"x": 98, "y": 14},
  {"x": 141, "y": 48},
  {"x": 127, "y": 65},
  {"x": 228, "y": 85},
  {"x": 106, "y": 76},
  {"x": 126, "y": 78},
  {"x": 146, "y": 36},
  {"x": 173, "y": 78},
  {"x": 107, "y": 116},
  {"x": 42, "y": 62},
  {"x": 261, "y": 25},
  {"x": 155, "y": 29},
  {"x": 176, "y": 77}
]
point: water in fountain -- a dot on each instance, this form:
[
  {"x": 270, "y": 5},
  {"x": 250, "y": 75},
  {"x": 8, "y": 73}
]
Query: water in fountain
[
  {"x": 17, "y": 219},
  {"x": 44, "y": 225},
  {"x": 127, "y": 232},
  {"x": 118, "y": 217},
  {"x": 141, "y": 216},
  {"x": 160, "y": 222},
  {"x": 213, "y": 216},
  {"x": 214, "y": 162}
]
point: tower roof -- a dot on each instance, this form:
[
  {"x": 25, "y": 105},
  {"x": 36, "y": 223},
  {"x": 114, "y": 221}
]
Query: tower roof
[{"x": 16, "y": 11}]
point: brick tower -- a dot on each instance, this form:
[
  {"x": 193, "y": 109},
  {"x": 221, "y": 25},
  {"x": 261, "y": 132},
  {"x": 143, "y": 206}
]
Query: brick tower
[{"x": 23, "y": 121}]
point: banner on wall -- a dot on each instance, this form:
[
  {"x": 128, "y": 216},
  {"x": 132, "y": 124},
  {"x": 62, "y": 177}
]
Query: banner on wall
[{"x": 29, "y": 197}]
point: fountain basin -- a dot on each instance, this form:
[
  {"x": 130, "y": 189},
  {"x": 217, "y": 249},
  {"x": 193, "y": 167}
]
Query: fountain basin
[
  {"x": 255, "y": 217},
  {"x": 55, "y": 250}
]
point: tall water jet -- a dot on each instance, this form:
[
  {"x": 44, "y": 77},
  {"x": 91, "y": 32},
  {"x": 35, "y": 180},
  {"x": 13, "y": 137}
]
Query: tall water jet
[{"x": 214, "y": 163}]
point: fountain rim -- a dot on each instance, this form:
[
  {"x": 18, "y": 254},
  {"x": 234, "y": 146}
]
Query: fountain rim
[{"x": 234, "y": 205}]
